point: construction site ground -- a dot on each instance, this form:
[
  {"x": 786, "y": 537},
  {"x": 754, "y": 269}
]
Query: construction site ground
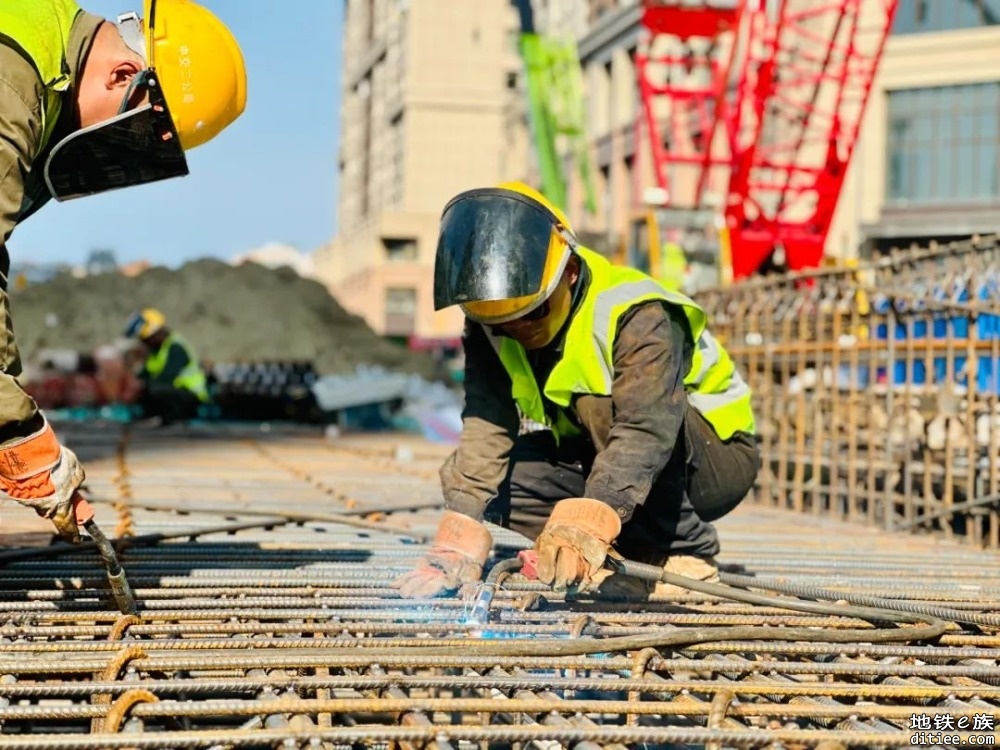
[{"x": 266, "y": 619}]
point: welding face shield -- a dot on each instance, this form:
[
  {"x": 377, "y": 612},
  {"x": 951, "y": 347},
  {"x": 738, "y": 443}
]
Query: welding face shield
[
  {"x": 500, "y": 255},
  {"x": 137, "y": 146}
]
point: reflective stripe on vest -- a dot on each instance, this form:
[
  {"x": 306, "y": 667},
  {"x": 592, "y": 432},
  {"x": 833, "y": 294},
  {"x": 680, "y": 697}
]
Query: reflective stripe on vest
[
  {"x": 191, "y": 378},
  {"x": 41, "y": 29},
  {"x": 714, "y": 386}
]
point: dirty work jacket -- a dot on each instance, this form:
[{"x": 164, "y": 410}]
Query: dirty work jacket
[
  {"x": 59, "y": 34},
  {"x": 628, "y": 357}
]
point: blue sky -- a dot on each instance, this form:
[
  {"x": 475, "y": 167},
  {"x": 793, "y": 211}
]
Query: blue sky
[{"x": 270, "y": 177}]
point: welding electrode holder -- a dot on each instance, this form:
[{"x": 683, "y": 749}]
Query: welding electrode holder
[
  {"x": 642, "y": 571},
  {"x": 120, "y": 589}
]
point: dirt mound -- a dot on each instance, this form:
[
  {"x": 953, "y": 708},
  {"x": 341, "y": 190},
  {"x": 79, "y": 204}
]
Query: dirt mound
[{"x": 242, "y": 313}]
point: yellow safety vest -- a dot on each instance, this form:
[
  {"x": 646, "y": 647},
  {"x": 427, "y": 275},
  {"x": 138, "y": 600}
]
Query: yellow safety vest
[
  {"x": 713, "y": 385},
  {"x": 40, "y": 28},
  {"x": 673, "y": 264},
  {"x": 191, "y": 378}
]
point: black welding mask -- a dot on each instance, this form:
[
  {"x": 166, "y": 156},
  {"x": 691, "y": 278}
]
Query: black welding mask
[
  {"x": 500, "y": 254},
  {"x": 137, "y": 146}
]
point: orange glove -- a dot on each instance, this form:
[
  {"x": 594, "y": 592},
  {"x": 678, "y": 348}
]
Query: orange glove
[
  {"x": 38, "y": 472},
  {"x": 456, "y": 557},
  {"x": 575, "y": 542}
]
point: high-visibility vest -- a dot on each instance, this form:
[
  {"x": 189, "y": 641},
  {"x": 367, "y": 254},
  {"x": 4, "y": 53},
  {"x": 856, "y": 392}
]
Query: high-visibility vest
[
  {"x": 713, "y": 385},
  {"x": 40, "y": 28},
  {"x": 673, "y": 266},
  {"x": 191, "y": 378}
]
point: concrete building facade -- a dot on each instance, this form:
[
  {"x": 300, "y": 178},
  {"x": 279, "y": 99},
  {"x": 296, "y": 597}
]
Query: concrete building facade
[
  {"x": 928, "y": 157},
  {"x": 430, "y": 107}
]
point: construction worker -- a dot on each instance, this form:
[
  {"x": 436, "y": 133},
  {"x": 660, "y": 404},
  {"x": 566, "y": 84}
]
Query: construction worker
[
  {"x": 87, "y": 106},
  {"x": 673, "y": 270},
  {"x": 173, "y": 383},
  {"x": 650, "y": 430}
]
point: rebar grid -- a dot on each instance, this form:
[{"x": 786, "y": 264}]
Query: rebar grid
[
  {"x": 877, "y": 387},
  {"x": 272, "y": 630}
]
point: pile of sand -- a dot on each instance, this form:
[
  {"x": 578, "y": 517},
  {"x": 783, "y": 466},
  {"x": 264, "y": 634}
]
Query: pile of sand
[{"x": 242, "y": 313}]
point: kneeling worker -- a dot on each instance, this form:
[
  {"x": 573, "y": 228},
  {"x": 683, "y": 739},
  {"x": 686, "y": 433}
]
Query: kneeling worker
[
  {"x": 174, "y": 385},
  {"x": 650, "y": 430}
]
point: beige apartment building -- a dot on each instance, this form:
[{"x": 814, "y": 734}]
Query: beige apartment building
[
  {"x": 431, "y": 107},
  {"x": 928, "y": 158}
]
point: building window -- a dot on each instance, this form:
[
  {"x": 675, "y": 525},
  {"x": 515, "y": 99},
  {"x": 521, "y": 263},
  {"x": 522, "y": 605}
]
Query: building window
[
  {"x": 944, "y": 144},
  {"x": 514, "y": 40},
  {"x": 633, "y": 77},
  {"x": 398, "y": 157},
  {"x": 916, "y": 16},
  {"x": 628, "y": 174},
  {"x": 609, "y": 100},
  {"x": 400, "y": 248},
  {"x": 607, "y": 196},
  {"x": 400, "y": 311}
]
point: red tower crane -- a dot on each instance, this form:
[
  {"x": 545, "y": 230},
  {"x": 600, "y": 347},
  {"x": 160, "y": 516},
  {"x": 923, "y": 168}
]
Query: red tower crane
[{"x": 753, "y": 108}]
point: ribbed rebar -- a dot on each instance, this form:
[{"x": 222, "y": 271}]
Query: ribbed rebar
[
  {"x": 288, "y": 634},
  {"x": 603, "y": 735}
]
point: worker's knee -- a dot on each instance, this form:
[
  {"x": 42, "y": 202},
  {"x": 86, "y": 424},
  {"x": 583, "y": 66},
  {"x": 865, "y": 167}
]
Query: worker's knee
[{"x": 717, "y": 492}]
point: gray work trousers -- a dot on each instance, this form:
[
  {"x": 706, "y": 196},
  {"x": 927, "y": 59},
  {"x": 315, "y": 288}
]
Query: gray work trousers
[{"x": 704, "y": 480}]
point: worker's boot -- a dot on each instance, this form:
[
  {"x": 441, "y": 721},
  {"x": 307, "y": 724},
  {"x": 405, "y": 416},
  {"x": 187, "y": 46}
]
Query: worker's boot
[
  {"x": 697, "y": 568},
  {"x": 611, "y": 585}
]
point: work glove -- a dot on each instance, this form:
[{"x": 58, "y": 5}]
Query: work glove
[
  {"x": 456, "y": 557},
  {"x": 575, "y": 542},
  {"x": 38, "y": 472}
]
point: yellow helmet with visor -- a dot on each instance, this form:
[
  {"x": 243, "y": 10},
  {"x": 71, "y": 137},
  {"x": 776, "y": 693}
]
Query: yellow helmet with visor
[{"x": 501, "y": 252}]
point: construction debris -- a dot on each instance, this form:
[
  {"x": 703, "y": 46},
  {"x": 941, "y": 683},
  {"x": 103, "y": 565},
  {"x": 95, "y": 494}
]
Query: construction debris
[
  {"x": 245, "y": 313},
  {"x": 266, "y": 620}
]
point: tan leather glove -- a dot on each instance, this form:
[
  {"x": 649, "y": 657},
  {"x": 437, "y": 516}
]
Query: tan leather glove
[
  {"x": 575, "y": 542},
  {"x": 456, "y": 557},
  {"x": 38, "y": 472}
]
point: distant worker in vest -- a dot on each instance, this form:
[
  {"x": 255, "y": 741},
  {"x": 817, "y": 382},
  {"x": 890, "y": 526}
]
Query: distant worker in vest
[
  {"x": 86, "y": 106},
  {"x": 173, "y": 383},
  {"x": 650, "y": 432}
]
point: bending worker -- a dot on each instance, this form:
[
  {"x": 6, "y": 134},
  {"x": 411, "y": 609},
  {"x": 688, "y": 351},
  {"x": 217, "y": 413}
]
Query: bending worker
[
  {"x": 650, "y": 431},
  {"x": 87, "y": 106},
  {"x": 173, "y": 383}
]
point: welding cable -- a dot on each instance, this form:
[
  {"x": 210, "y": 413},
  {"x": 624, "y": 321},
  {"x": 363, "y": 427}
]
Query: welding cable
[
  {"x": 653, "y": 573},
  {"x": 348, "y": 517},
  {"x": 864, "y": 600},
  {"x": 877, "y": 608},
  {"x": 63, "y": 548},
  {"x": 929, "y": 628}
]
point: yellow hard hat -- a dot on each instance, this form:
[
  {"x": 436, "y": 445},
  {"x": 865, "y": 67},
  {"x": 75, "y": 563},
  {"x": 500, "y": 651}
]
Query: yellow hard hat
[
  {"x": 145, "y": 323},
  {"x": 200, "y": 67},
  {"x": 501, "y": 252},
  {"x": 194, "y": 86}
]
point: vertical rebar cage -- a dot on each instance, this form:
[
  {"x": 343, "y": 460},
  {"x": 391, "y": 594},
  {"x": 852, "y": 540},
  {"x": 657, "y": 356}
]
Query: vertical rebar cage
[{"x": 877, "y": 387}]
